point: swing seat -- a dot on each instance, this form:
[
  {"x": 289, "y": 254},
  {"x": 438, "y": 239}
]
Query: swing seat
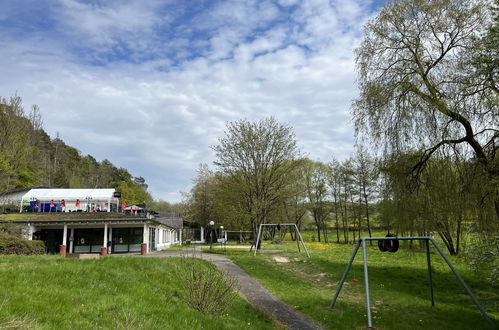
[{"x": 277, "y": 240}]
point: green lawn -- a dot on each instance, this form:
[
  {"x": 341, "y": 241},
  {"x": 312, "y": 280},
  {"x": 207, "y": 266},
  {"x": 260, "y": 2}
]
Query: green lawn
[
  {"x": 51, "y": 292},
  {"x": 398, "y": 283}
]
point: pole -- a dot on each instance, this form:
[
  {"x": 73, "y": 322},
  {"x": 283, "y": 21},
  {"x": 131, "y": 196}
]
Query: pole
[
  {"x": 297, "y": 241},
  {"x": 366, "y": 282},
  {"x": 257, "y": 238},
  {"x": 344, "y": 276},
  {"x": 301, "y": 239},
  {"x": 211, "y": 237},
  {"x": 426, "y": 238},
  {"x": 468, "y": 290},
  {"x": 428, "y": 261}
]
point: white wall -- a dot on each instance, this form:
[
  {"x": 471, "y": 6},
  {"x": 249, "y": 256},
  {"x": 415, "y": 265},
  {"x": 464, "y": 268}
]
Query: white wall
[{"x": 166, "y": 237}]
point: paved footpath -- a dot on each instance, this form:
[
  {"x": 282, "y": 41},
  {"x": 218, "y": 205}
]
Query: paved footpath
[{"x": 255, "y": 293}]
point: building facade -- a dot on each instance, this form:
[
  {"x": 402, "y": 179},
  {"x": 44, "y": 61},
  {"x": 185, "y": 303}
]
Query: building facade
[{"x": 90, "y": 221}]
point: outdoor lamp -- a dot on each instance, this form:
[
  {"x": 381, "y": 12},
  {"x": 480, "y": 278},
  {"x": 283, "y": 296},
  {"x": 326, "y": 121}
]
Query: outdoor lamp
[{"x": 211, "y": 223}]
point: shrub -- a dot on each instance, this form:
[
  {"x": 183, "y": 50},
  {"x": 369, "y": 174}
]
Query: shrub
[
  {"x": 482, "y": 254},
  {"x": 11, "y": 228},
  {"x": 204, "y": 287},
  {"x": 11, "y": 244}
]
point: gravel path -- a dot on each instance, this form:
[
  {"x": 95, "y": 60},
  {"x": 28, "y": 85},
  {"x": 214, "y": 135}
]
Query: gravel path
[{"x": 255, "y": 293}]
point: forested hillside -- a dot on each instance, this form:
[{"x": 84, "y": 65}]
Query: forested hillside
[{"x": 30, "y": 157}]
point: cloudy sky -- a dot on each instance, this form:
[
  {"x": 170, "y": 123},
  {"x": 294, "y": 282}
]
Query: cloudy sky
[{"x": 151, "y": 84}]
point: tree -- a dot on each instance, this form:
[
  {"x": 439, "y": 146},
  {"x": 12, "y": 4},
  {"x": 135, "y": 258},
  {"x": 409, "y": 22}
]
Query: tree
[
  {"x": 419, "y": 86},
  {"x": 258, "y": 157},
  {"x": 294, "y": 207},
  {"x": 442, "y": 204},
  {"x": 28, "y": 156},
  {"x": 316, "y": 178},
  {"x": 133, "y": 194},
  {"x": 201, "y": 200},
  {"x": 335, "y": 188},
  {"x": 485, "y": 59},
  {"x": 16, "y": 170},
  {"x": 366, "y": 175}
]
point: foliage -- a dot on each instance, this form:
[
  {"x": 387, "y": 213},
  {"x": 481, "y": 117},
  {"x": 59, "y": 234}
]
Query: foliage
[
  {"x": 204, "y": 288},
  {"x": 256, "y": 160},
  {"x": 486, "y": 57},
  {"x": 482, "y": 254},
  {"x": 201, "y": 201},
  {"x": 29, "y": 157},
  {"x": 10, "y": 228},
  {"x": 419, "y": 87},
  {"x": 165, "y": 206},
  {"x": 447, "y": 198},
  {"x": 12, "y": 244},
  {"x": 316, "y": 177},
  {"x": 134, "y": 194}
]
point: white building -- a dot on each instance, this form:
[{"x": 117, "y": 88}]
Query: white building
[{"x": 86, "y": 221}]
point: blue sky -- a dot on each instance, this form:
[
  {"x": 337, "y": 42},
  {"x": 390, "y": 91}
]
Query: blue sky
[{"x": 151, "y": 84}]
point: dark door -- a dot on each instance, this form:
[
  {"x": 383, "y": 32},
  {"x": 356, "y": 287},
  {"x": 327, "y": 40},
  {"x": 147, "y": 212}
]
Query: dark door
[{"x": 52, "y": 239}]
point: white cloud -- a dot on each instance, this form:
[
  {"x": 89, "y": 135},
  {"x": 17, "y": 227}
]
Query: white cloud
[{"x": 158, "y": 119}]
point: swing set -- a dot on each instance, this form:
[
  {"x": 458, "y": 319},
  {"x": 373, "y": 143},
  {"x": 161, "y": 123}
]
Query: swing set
[
  {"x": 278, "y": 226},
  {"x": 391, "y": 244}
]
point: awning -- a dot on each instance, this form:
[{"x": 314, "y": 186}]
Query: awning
[{"x": 69, "y": 194}]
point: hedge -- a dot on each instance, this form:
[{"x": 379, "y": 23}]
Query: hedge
[{"x": 10, "y": 244}]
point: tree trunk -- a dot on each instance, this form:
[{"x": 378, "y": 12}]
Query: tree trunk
[
  {"x": 337, "y": 221},
  {"x": 318, "y": 231},
  {"x": 367, "y": 213}
]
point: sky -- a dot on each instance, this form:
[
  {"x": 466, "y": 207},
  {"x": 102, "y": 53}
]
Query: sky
[{"x": 151, "y": 84}]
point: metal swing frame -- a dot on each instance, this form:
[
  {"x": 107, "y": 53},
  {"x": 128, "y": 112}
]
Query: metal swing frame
[
  {"x": 427, "y": 240},
  {"x": 298, "y": 235}
]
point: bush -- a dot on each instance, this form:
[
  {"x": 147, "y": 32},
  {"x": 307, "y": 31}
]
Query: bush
[
  {"x": 11, "y": 244},
  {"x": 482, "y": 254},
  {"x": 11, "y": 229},
  {"x": 204, "y": 287}
]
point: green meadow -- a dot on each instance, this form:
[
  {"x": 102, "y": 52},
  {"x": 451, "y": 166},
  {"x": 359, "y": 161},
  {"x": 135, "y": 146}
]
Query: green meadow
[
  {"x": 51, "y": 292},
  {"x": 400, "y": 294}
]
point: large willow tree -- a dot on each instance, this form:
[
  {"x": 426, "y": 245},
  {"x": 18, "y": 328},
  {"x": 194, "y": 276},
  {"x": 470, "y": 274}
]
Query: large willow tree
[{"x": 421, "y": 88}]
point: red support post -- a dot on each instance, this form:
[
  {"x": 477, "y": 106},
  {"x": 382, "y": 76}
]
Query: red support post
[
  {"x": 62, "y": 250},
  {"x": 143, "y": 248}
]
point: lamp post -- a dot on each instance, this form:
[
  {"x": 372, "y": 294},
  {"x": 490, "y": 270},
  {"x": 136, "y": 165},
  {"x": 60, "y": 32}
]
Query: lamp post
[
  {"x": 211, "y": 223},
  {"x": 88, "y": 199},
  {"x": 222, "y": 241}
]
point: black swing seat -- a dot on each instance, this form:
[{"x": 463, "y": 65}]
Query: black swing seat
[{"x": 389, "y": 245}]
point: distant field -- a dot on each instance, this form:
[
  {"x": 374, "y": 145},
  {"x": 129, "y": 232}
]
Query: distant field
[
  {"x": 51, "y": 292},
  {"x": 398, "y": 283}
]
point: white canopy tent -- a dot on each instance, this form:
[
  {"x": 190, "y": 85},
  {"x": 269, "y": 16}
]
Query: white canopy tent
[{"x": 75, "y": 199}]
